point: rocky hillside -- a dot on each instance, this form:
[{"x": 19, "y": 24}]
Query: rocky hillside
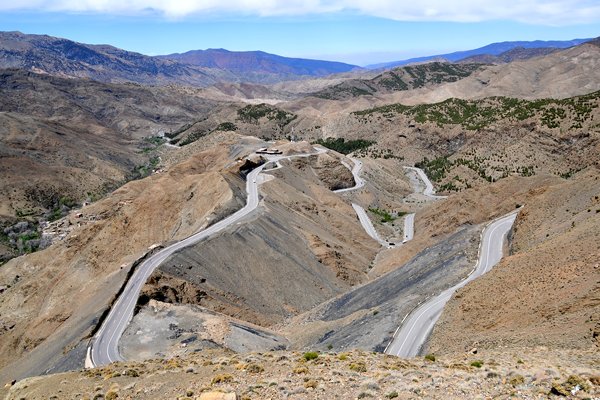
[
  {"x": 546, "y": 292},
  {"x": 399, "y": 79},
  {"x": 465, "y": 143},
  {"x": 214, "y": 375},
  {"x": 67, "y": 141},
  {"x": 200, "y": 68},
  {"x": 48, "y": 309},
  {"x": 62, "y": 57}
]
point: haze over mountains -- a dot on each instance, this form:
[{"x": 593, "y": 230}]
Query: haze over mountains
[
  {"x": 492, "y": 49},
  {"x": 109, "y": 156}
]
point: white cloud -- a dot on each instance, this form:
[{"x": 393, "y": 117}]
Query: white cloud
[{"x": 546, "y": 12}]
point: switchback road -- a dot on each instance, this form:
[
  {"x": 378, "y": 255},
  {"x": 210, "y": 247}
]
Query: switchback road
[{"x": 417, "y": 326}]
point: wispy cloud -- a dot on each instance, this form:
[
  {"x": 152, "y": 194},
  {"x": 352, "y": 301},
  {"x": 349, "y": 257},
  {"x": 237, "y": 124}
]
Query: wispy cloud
[{"x": 545, "y": 12}]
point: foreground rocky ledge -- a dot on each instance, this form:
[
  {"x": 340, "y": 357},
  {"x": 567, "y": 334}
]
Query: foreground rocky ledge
[{"x": 537, "y": 373}]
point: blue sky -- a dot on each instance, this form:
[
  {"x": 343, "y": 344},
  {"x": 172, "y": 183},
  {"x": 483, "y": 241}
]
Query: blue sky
[{"x": 314, "y": 28}]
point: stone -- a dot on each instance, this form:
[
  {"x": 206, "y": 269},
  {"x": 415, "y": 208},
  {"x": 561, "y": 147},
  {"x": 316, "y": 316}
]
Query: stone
[{"x": 218, "y": 396}]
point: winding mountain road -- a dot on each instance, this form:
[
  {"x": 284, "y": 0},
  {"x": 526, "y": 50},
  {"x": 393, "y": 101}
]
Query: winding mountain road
[
  {"x": 104, "y": 348},
  {"x": 409, "y": 227},
  {"x": 428, "y": 191},
  {"x": 358, "y": 181},
  {"x": 417, "y": 326}
]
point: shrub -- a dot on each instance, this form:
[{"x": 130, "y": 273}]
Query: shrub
[
  {"x": 226, "y": 127},
  {"x": 301, "y": 370},
  {"x": 392, "y": 395},
  {"x": 517, "y": 380},
  {"x": 222, "y": 378},
  {"x": 111, "y": 395},
  {"x": 477, "y": 364},
  {"x": 344, "y": 146},
  {"x": 310, "y": 355},
  {"x": 358, "y": 366},
  {"x": 254, "y": 368},
  {"x": 430, "y": 357},
  {"x": 311, "y": 383}
]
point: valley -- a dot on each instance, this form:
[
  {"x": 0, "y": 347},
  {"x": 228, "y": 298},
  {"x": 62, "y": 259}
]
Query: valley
[{"x": 192, "y": 217}]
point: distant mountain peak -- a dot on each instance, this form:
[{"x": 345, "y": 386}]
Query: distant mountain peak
[
  {"x": 106, "y": 63},
  {"x": 492, "y": 49}
]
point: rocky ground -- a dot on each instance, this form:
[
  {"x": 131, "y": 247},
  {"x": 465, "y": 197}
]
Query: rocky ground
[
  {"x": 218, "y": 375},
  {"x": 89, "y": 266},
  {"x": 546, "y": 293}
]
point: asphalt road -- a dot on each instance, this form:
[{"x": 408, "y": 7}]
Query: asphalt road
[
  {"x": 428, "y": 191},
  {"x": 409, "y": 227},
  {"x": 358, "y": 181},
  {"x": 417, "y": 326},
  {"x": 365, "y": 221},
  {"x": 105, "y": 345}
]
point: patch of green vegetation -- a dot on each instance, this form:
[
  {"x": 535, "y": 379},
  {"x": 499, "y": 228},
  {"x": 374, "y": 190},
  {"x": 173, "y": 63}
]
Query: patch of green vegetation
[
  {"x": 252, "y": 113},
  {"x": 479, "y": 114},
  {"x": 437, "y": 169},
  {"x": 385, "y": 216},
  {"x": 391, "y": 395},
  {"x": 344, "y": 146},
  {"x": 183, "y": 128},
  {"x": 226, "y": 127},
  {"x": 569, "y": 174},
  {"x": 430, "y": 357},
  {"x": 310, "y": 355},
  {"x": 192, "y": 137},
  {"x": 343, "y": 90},
  {"x": 526, "y": 171},
  {"x": 155, "y": 140},
  {"x": 60, "y": 208},
  {"x": 24, "y": 213},
  {"x": 477, "y": 364}
]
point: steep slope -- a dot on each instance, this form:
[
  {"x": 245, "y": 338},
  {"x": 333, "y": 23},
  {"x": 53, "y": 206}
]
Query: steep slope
[
  {"x": 64, "y": 141},
  {"x": 48, "y": 308},
  {"x": 547, "y": 288},
  {"x": 467, "y": 143},
  {"x": 62, "y": 57},
  {"x": 258, "y": 66},
  {"x": 561, "y": 74}
]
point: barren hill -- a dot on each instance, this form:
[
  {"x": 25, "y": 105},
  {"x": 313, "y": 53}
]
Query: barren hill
[{"x": 64, "y": 141}]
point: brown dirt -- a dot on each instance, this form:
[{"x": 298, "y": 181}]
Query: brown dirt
[
  {"x": 546, "y": 292},
  {"x": 89, "y": 266},
  {"x": 353, "y": 375}
]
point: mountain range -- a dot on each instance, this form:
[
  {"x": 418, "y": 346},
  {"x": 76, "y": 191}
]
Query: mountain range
[
  {"x": 257, "y": 63},
  {"x": 62, "y": 57},
  {"x": 202, "y": 68},
  {"x": 492, "y": 49}
]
